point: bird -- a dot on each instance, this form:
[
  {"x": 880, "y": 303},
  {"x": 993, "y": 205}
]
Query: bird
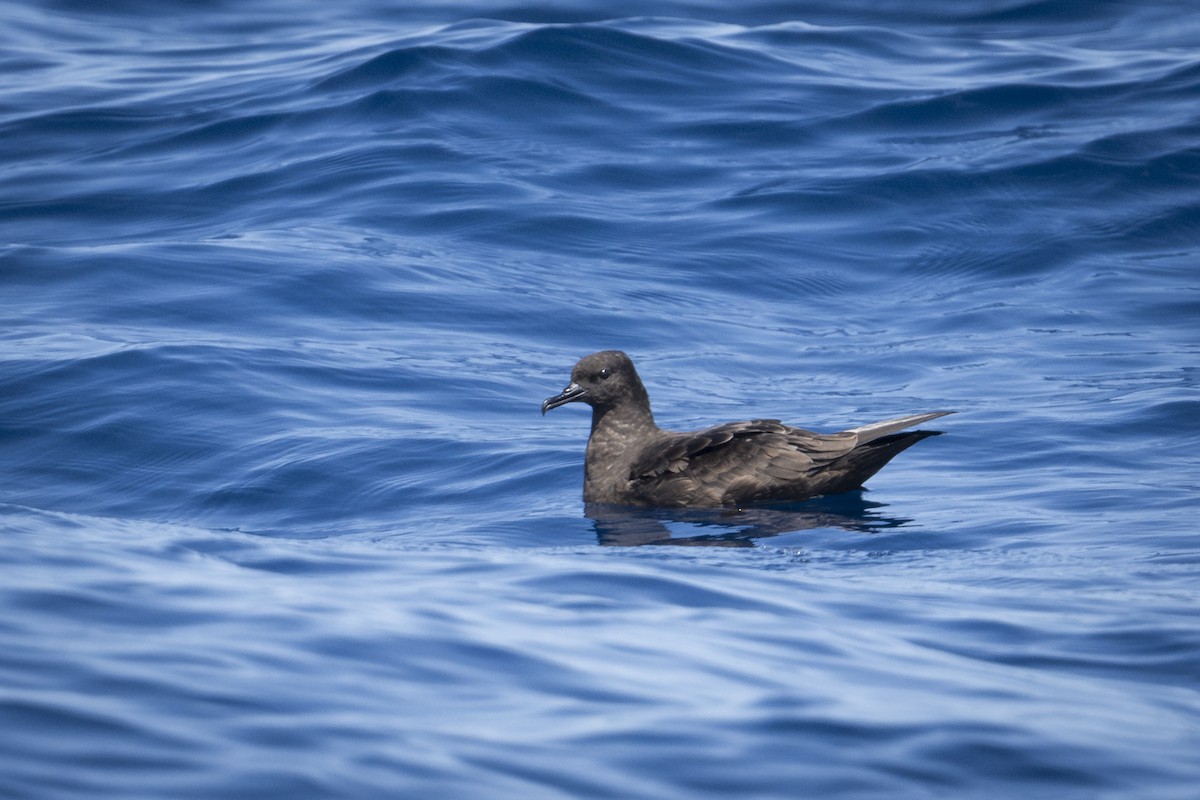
[{"x": 630, "y": 461}]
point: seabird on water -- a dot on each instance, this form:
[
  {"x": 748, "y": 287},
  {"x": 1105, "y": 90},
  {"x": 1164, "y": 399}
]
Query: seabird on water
[{"x": 631, "y": 461}]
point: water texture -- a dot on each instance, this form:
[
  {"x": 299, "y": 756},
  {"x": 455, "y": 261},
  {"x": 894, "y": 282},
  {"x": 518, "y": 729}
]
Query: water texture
[{"x": 282, "y": 286}]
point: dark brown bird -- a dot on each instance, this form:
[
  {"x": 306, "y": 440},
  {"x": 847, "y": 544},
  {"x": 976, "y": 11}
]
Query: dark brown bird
[{"x": 631, "y": 461}]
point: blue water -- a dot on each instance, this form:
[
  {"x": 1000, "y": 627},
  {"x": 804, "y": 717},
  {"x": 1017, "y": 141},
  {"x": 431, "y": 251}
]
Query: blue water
[{"x": 283, "y": 284}]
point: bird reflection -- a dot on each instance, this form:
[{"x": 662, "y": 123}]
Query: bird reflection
[{"x": 623, "y": 526}]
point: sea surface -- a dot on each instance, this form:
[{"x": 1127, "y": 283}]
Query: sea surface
[{"x": 283, "y": 284}]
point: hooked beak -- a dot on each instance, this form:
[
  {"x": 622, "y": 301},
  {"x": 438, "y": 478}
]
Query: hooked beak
[{"x": 570, "y": 394}]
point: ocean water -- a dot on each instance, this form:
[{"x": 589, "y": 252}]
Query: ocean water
[{"x": 283, "y": 285}]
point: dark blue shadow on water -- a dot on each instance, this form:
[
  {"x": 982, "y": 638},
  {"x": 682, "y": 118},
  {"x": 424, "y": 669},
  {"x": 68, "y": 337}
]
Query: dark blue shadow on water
[{"x": 625, "y": 526}]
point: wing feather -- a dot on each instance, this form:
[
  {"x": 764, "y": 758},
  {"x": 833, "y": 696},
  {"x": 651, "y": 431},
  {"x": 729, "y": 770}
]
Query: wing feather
[
  {"x": 761, "y": 459},
  {"x": 778, "y": 454}
]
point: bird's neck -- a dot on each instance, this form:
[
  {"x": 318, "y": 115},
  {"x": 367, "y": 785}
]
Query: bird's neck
[
  {"x": 618, "y": 436},
  {"x": 630, "y": 413},
  {"x": 623, "y": 421}
]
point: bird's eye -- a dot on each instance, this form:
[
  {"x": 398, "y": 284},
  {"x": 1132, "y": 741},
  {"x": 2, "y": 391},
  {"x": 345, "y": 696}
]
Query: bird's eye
[{"x": 605, "y": 373}]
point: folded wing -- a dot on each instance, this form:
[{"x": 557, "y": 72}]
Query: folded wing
[{"x": 763, "y": 459}]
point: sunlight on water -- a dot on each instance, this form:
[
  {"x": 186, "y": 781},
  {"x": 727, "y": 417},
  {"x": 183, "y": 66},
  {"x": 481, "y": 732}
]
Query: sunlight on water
[{"x": 284, "y": 286}]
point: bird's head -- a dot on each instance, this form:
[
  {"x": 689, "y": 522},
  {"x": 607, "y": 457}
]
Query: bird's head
[{"x": 602, "y": 380}]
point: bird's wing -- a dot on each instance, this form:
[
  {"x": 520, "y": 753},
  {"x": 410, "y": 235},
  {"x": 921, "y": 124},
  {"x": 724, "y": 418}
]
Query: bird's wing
[
  {"x": 869, "y": 433},
  {"x": 762, "y": 449},
  {"x": 763, "y": 459}
]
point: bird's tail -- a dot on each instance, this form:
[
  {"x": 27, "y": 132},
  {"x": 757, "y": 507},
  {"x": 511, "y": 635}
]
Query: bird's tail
[{"x": 852, "y": 470}]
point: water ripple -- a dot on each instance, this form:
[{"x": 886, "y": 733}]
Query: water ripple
[{"x": 284, "y": 287}]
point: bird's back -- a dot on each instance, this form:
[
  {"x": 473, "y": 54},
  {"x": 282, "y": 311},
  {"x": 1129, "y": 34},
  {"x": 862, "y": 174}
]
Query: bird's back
[{"x": 759, "y": 460}]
